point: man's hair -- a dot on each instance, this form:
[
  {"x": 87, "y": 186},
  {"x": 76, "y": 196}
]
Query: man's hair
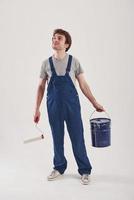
[{"x": 67, "y": 36}]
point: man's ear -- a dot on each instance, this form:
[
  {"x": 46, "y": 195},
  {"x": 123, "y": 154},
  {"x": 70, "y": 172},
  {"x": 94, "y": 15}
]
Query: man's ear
[{"x": 67, "y": 45}]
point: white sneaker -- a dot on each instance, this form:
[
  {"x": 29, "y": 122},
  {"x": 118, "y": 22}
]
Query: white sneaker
[
  {"x": 85, "y": 179},
  {"x": 54, "y": 175}
]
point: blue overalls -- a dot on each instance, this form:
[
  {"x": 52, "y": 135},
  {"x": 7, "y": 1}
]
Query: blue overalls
[{"x": 63, "y": 105}]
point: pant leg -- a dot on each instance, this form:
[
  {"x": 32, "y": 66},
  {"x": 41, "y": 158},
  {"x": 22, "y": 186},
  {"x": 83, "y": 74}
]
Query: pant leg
[
  {"x": 56, "y": 121},
  {"x": 75, "y": 130}
]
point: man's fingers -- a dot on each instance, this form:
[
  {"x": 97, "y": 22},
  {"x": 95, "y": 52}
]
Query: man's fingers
[
  {"x": 36, "y": 119},
  {"x": 100, "y": 109}
]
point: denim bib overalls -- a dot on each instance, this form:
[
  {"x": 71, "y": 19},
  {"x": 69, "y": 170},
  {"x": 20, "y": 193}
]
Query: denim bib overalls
[{"x": 63, "y": 105}]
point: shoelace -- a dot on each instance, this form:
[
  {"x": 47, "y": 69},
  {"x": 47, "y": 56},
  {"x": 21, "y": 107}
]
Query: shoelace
[
  {"x": 53, "y": 172},
  {"x": 85, "y": 176}
]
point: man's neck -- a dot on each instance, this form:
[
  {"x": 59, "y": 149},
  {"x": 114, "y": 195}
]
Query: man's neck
[{"x": 59, "y": 54}]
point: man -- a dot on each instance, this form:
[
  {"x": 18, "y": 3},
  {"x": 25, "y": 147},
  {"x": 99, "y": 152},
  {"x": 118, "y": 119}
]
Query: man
[{"x": 60, "y": 71}]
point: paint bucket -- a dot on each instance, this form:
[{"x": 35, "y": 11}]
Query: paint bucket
[{"x": 100, "y": 131}]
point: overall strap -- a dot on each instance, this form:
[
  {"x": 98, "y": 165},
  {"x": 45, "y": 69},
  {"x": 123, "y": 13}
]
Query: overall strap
[
  {"x": 52, "y": 65},
  {"x": 69, "y": 63}
]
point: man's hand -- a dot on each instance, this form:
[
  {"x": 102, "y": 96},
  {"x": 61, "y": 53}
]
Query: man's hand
[
  {"x": 98, "y": 107},
  {"x": 37, "y": 116}
]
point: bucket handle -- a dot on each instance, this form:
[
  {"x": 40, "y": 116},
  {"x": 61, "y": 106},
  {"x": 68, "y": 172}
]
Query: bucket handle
[{"x": 95, "y": 110}]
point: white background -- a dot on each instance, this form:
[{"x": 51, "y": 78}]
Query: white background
[{"x": 102, "y": 33}]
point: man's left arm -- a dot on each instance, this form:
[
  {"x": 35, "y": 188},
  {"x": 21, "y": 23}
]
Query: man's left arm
[{"x": 87, "y": 92}]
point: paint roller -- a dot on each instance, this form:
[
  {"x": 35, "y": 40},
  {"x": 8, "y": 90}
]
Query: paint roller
[{"x": 35, "y": 138}]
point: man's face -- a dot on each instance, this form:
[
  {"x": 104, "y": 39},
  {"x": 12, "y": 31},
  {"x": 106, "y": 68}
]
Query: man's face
[{"x": 58, "y": 42}]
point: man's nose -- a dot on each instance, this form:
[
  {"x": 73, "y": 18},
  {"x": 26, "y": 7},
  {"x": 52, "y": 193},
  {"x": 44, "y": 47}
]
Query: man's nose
[{"x": 56, "y": 40}]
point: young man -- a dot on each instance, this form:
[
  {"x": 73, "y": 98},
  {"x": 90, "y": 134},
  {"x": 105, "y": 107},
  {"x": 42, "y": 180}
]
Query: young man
[{"x": 60, "y": 71}]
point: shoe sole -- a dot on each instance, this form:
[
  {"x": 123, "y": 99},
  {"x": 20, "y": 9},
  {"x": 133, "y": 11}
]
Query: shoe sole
[{"x": 85, "y": 183}]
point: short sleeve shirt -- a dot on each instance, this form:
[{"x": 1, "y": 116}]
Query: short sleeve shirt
[{"x": 60, "y": 66}]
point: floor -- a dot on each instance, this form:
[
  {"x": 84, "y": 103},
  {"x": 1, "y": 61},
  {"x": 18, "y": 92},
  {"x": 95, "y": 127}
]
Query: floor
[{"x": 23, "y": 175}]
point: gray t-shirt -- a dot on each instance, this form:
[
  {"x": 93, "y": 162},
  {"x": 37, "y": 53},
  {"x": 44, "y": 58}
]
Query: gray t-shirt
[{"x": 60, "y": 66}]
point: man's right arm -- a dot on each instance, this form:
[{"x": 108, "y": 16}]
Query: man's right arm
[{"x": 39, "y": 97}]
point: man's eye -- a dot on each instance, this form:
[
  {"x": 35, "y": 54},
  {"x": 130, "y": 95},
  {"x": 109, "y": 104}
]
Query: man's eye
[{"x": 59, "y": 38}]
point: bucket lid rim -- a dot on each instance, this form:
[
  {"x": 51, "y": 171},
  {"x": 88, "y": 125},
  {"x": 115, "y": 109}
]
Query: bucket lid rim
[{"x": 100, "y": 118}]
